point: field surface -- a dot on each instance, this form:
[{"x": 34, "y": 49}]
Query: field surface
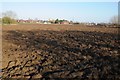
[{"x": 60, "y": 51}]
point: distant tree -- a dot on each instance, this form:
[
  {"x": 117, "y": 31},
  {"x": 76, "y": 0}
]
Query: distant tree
[
  {"x": 56, "y": 21},
  {"x": 119, "y": 19},
  {"x": 8, "y": 17},
  {"x": 0, "y": 14},
  {"x": 10, "y": 14},
  {"x": 114, "y": 20},
  {"x": 0, "y": 20},
  {"x": 8, "y": 20},
  {"x": 59, "y": 21}
]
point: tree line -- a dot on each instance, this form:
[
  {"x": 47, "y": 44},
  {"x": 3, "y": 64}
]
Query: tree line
[{"x": 9, "y": 17}]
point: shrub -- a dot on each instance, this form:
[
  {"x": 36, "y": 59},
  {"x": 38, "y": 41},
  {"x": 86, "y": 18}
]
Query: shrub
[{"x": 8, "y": 20}]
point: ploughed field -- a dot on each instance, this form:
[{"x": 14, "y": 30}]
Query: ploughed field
[{"x": 60, "y": 51}]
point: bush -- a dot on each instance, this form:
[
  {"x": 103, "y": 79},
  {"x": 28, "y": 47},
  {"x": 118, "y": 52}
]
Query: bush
[{"x": 8, "y": 20}]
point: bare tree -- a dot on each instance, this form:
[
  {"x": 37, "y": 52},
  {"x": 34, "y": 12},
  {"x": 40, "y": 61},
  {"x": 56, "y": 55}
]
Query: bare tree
[
  {"x": 119, "y": 19},
  {"x": 114, "y": 20},
  {"x": 10, "y": 14},
  {"x": 0, "y": 18}
]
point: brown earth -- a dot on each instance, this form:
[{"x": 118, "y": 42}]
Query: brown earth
[{"x": 60, "y": 51}]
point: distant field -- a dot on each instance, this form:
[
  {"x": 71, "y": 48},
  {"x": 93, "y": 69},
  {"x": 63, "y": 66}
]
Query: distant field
[{"x": 57, "y": 27}]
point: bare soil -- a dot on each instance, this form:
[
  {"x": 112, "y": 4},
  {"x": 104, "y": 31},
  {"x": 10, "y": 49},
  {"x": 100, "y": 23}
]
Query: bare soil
[{"x": 60, "y": 51}]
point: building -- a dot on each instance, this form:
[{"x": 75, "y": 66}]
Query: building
[{"x": 65, "y": 22}]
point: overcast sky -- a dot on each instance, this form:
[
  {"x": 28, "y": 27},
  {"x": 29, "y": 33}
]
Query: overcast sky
[{"x": 76, "y": 11}]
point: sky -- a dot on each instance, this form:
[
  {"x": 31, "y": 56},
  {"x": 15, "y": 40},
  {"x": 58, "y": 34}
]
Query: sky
[
  {"x": 75, "y": 11},
  {"x": 59, "y": 1}
]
